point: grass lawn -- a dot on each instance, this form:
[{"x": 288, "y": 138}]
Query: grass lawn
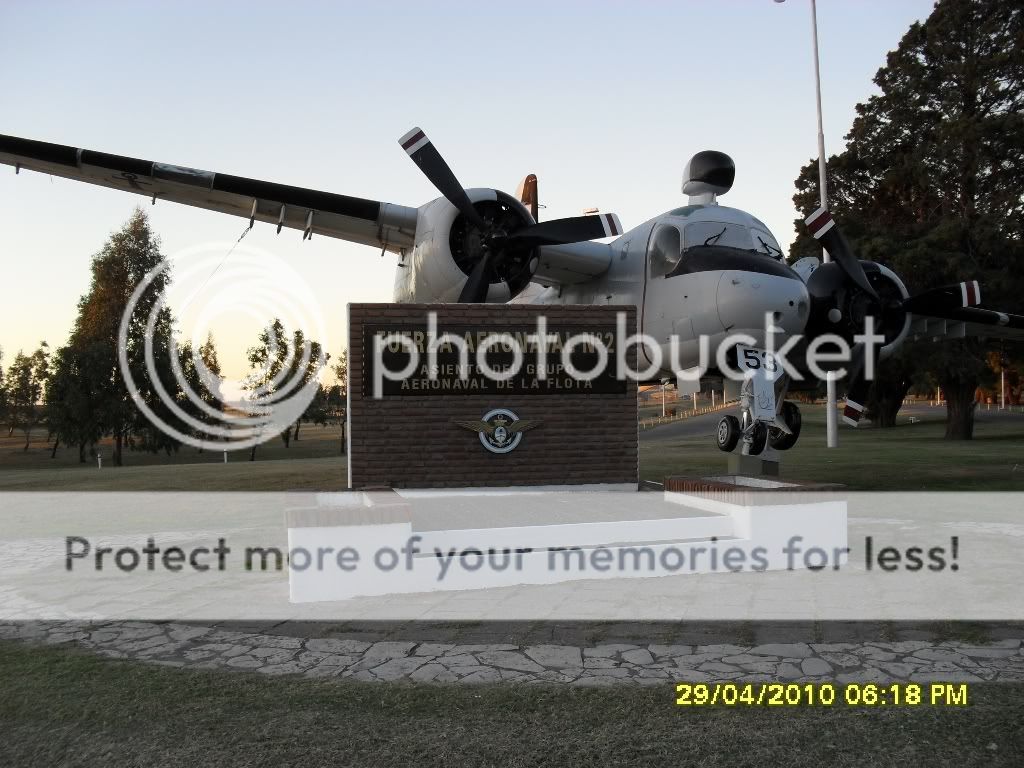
[
  {"x": 64, "y": 707},
  {"x": 312, "y": 463},
  {"x": 273, "y": 475},
  {"x": 909, "y": 457}
]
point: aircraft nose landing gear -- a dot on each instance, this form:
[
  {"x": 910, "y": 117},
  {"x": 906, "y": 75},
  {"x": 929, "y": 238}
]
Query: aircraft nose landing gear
[
  {"x": 728, "y": 434},
  {"x": 758, "y": 438},
  {"x": 757, "y": 435},
  {"x": 759, "y": 427},
  {"x": 778, "y": 438}
]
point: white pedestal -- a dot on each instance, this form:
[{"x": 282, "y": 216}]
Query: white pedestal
[{"x": 365, "y": 544}]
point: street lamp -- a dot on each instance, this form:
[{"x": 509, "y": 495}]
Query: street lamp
[{"x": 831, "y": 415}]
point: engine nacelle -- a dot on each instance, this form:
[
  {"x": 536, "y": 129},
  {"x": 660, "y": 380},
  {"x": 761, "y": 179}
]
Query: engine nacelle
[{"x": 447, "y": 248}]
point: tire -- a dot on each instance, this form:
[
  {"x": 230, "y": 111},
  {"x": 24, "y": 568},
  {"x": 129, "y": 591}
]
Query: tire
[
  {"x": 728, "y": 434},
  {"x": 759, "y": 439},
  {"x": 779, "y": 440}
]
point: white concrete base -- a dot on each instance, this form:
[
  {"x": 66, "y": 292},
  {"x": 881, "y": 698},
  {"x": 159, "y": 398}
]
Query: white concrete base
[{"x": 671, "y": 535}]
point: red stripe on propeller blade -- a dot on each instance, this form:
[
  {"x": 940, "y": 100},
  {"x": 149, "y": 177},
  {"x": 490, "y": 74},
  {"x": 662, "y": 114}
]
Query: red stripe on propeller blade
[
  {"x": 816, "y": 224},
  {"x": 419, "y": 135}
]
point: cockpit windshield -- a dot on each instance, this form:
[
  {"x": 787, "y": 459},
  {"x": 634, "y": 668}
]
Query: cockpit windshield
[
  {"x": 731, "y": 235},
  {"x": 716, "y": 233},
  {"x": 703, "y": 245},
  {"x": 765, "y": 243}
]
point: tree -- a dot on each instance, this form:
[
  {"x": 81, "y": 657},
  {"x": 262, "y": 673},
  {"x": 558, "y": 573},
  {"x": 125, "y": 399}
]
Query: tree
[
  {"x": 267, "y": 360},
  {"x": 337, "y": 395},
  {"x": 277, "y": 363},
  {"x": 3, "y": 388},
  {"x": 28, "y": 376},
  {"x": 303, "y": 373},
  {"x": 73, "y": 402},
  {"x": 203, "y": 381},
  {"x": 125, "y": 260},
  {"x": 317, "y": 411},
  {"x": 929, "y": 180}
]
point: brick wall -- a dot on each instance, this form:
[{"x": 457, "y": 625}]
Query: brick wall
[{"x": 409, "y": 441}]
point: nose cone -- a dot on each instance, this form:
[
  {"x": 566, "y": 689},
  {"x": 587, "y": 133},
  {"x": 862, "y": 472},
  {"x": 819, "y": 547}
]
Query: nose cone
[{"x": 746, "y": 299}]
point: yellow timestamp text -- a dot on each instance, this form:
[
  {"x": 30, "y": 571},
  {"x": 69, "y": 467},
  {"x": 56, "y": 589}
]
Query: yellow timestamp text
[{"x": 821, "y": 694}]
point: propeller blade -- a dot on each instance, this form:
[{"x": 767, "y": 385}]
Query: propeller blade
[
  {"x": 477, "y": 284},
  {"x": 978, "y": 316},
  {"x": 574, "y": 229},
  {"x": 429, "y": 160},
  {"x": 857, "y": 386},
  {"x": 823, "y": 227},
  {"x": 939, "y": 300}
]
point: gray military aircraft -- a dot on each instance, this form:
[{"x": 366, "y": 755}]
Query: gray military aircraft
[{"x": 700, "y": 270}]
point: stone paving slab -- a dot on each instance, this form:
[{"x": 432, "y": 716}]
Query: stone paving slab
[{"x": 197, "y": 647}]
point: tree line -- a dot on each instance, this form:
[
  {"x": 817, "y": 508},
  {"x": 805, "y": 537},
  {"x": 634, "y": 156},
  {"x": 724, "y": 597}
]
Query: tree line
[
  {"x": 929, "y": 183},
  {"x": 78, "y": 391}
]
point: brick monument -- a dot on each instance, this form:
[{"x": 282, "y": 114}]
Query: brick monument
[{"x": 545, "y": 424}]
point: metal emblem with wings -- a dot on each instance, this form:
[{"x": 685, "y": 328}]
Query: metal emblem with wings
[{"x": 500, "y": 430}]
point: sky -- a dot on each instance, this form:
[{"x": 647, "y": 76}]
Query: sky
[{"x": 604, "y": 101}]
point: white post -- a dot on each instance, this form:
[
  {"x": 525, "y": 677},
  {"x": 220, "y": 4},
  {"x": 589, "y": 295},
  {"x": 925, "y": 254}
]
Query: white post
[
  {"x": 712, "y": 398},
  {"x": 225, "y": 457},
  {"x": 99, "y": 460},
  {"x": 663, "y": 399},
  {"x": 694, "y": 402},
  {"x": 831, "y": 415},
  {"x": 1002, "y": 389}
]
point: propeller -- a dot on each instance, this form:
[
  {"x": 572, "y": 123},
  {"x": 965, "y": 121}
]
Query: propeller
[
  {"x": 497, "y": 244},
  {"x": 475, "y": 289},
  {"x": 425, "y": 155},
  {"x": 570, "y": 230},
  {"x": 844, "y": 298},
  {"x": 823, "y": 227},
  {"x": 857, "y": 385}
]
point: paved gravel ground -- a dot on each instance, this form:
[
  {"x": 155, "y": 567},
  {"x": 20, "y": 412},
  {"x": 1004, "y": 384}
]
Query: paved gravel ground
[{"x": 184, "y": 645}]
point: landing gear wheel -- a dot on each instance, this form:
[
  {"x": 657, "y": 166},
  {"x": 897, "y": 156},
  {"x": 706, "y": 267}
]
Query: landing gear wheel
[
  {"x": 778, "y": 439},
  {"x": 758, "y": 439},
  {"x": 728, "y": 433}
]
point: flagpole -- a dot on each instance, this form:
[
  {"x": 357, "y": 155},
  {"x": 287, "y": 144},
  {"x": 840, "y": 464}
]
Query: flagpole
[
  {"x": 831, "y": 408},
  {"x": 831, "y": 415}
]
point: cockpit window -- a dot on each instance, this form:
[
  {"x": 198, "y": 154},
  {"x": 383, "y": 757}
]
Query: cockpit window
[
  {"x": 701, "y": 246},
  {"x": 765, "y": 243},
  {"x": 716, "y": 233},
  {"x": 731, "y": 235},
  {"x": 664, "y": 250}
]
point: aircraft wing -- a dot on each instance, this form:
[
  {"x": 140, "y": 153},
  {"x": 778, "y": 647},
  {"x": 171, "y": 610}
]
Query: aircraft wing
[{"x": 370, "y": 222}]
